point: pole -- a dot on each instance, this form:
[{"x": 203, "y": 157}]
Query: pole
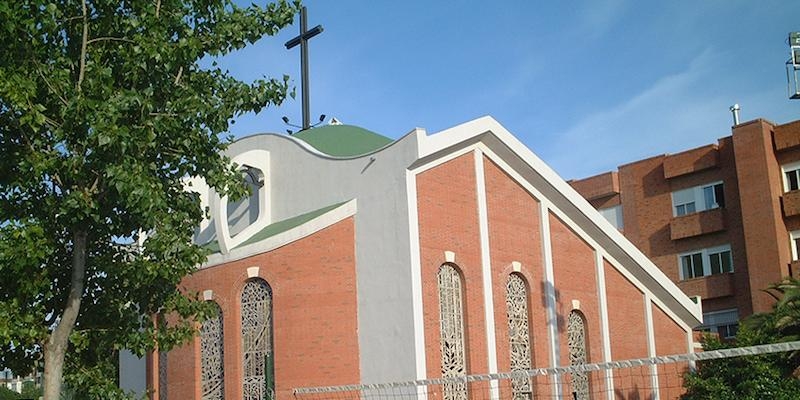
[{"x": 304, "y": 72}]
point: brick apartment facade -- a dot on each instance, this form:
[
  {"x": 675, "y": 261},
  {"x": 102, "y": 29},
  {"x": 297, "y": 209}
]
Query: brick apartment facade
[{"x": 722, "y": 220}]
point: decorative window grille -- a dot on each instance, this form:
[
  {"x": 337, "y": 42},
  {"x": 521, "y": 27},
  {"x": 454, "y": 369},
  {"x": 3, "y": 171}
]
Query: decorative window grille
[
  {"x": 452, "y": 331},
  {"x": 259, "y": 373},
  {"x": 212, "y": 375},
  {"x": 576, "y": 340},
  {"x": 162, "y": 375},
  {"x": 519, "y": 334}
]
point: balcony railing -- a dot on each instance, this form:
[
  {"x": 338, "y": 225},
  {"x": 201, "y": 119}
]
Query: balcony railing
[
  {"x": 709, "y": 287},
  {"x": 786, "y": 136},
  {"x": 696, "y": 224},
  {"x": 791, "y": 203}
]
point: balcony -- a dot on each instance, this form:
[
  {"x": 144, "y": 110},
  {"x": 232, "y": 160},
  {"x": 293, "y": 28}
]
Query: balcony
[
  {"x": 786, "y": 136},
  {"x": 791, "y": 203},
  {"x": 690, "y": 161},
  {"x": 597, "y": 186},
  {"x": 794, "y": 269},
  {"x": 696, "y": 224},
  {"x": 709, "y": 287}
]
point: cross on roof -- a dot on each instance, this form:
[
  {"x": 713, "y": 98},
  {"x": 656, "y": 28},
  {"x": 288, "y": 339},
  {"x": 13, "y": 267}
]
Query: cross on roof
[{"x": 302, "y": 40}]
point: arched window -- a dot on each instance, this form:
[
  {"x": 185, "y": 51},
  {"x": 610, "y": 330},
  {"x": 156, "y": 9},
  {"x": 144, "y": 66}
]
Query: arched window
[
  {"x": 576, "y": 340},
  {"x": 212, "y": 375},
  {"x": 519, "y": 334},
  {"x": 258, "y": 355},
  {"x": 452, "y": 331},
  {"x": 244, "y": 212}
]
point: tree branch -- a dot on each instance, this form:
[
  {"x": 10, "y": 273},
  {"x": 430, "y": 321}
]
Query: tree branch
[
  {"x": 84, "y": 40},
  {"x": 178, "y": 78},
  {"x": 50, "y": 86},
  {"x": 158, "y": 7},
  {"x": 109, "y": 38},
  {"x": 56, "y": 347}
]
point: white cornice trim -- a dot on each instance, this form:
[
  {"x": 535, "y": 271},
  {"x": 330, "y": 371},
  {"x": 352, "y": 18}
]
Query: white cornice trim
[
  {"x": 486, "y": 271},
  {"x": 416, "y": 277},
  {"x": 605, "y": 330},
  {"x": 550, "y": 296},
  {"x": 281, "y": 239},
  {"x": 651, "y": 344}
]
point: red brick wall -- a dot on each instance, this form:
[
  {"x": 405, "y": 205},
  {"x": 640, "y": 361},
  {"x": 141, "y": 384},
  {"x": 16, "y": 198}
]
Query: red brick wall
[
  {"x": 514, "y": 235},
  {"x": 575, "y": 278},
  {"x": 314, "y": 311},
  {"x": 761, "y": 185},
  {"x": 670, "y": 339},
  {"x": 448, "y": 221},
  {"x": 627, "y": 324}
]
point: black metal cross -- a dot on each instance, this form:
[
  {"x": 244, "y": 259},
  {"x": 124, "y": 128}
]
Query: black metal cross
[{"x": 302, "y": 40}]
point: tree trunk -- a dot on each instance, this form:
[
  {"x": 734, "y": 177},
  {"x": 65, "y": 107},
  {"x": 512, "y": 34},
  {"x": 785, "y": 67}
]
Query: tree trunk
[{"x": 56, "y": 347}]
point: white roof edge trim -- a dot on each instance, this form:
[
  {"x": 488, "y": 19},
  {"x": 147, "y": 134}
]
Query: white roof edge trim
[
  {"x": 310, "y": 149},
  {"x": 453, "y": 136},
  {"x": 315, "y": 225}
]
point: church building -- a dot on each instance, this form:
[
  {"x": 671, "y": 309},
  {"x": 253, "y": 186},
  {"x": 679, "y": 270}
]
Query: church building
[{"x": 363, "y": 260}]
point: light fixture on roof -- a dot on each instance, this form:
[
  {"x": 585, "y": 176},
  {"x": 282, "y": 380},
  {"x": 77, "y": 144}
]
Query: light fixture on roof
[{"x": 289, "y": 131}]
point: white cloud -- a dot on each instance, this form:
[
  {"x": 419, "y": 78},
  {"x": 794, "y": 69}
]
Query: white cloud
[
  {"x": 597, "y": 17},
  {"x": 669, "y": 116}
]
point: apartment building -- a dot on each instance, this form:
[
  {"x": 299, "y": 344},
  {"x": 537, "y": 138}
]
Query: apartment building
[{"x": 722, "y": 220}]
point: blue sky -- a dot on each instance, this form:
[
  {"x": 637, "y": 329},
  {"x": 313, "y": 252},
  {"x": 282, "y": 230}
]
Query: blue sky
[{"x": 587, "y": 85}]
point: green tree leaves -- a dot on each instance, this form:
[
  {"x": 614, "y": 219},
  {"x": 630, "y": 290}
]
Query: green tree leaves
[
  {"x": 769, "y": 376},
  {"x": 105, "y": 111}
]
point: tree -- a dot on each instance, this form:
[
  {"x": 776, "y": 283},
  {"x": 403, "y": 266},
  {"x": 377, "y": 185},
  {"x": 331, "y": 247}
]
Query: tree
[
  {"x": 767, "y": 376},
  {"x": 772, "y": 376},
  {"x": 105, "y": 111},
  {"x": 784, "y": 319}
]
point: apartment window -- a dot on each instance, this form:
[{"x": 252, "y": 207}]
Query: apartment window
[
  {"x": 791, "y": 176},
  {"x": 794, "y": 242},
  {"x": 704, "y": 262},
  {"x": 724, "y": 323},
  {"x": 698, "y": 198},
  {"x": 613, "y": 215},
  {"x": 721, "y": 262},
  {"x": 692, "y": 265}
]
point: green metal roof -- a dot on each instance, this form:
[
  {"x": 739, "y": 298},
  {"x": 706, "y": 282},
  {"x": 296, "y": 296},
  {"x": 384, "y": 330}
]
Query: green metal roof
[
  {"x": 283, "y": 226},
  {"x": 343, "y": 140},
  {"x": 277, "y": 227},
  {"x": 212, "y": 246}
]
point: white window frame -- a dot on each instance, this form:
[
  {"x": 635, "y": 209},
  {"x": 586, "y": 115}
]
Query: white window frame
[
  {"x": 697, "y": 194},
  {"x": 785, "y": 168},
  {"x": 724, "y": 322},
  {"x": 706, "y": 259},
  {"x": 613, "y": 215},
  {"x": 794, "y": 236}
]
